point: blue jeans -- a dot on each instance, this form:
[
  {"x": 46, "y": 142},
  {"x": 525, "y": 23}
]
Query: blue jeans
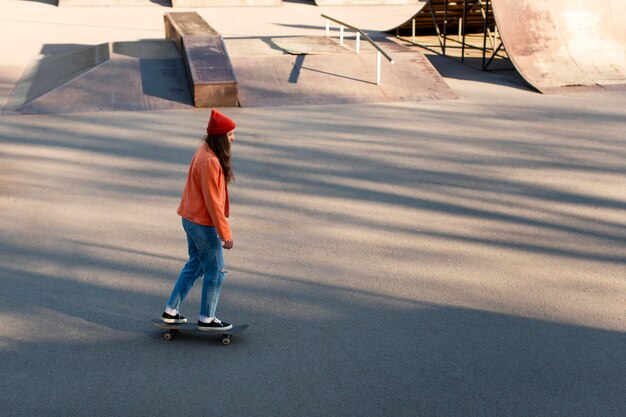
[{"x": 206, "y": 258}]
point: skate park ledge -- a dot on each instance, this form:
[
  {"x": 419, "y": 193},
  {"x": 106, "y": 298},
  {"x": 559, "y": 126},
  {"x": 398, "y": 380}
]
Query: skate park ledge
[{"x": 210, "y": 72}]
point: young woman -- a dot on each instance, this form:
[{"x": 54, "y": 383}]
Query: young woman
[{"x": 204, "y": 209}]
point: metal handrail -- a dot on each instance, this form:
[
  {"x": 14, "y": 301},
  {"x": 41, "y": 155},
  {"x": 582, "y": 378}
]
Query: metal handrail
[{"x": 359, "y": 33}]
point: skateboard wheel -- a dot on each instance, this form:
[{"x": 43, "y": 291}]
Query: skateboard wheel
[
  {"x": 226, "y": 340},
  {"x": 167, "y": 336}
]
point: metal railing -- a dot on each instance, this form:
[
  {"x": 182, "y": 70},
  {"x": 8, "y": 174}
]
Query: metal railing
[{"x": 359, "y": 34}]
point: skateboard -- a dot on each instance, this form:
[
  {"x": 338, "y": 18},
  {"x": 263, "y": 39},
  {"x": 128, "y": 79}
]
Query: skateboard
[{"x": 171, "y": 329}]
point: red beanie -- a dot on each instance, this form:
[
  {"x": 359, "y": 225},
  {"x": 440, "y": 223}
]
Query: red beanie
[{"x": 219, "y": 124}]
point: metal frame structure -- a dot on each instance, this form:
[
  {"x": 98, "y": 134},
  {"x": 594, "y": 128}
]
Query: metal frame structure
[{"x": 494, "y": 39}]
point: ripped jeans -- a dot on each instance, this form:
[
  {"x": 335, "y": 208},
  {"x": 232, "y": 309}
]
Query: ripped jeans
[{"x": 205, "y": 258}]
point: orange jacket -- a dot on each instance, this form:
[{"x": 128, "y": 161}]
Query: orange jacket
[{"x": 205, "y": 197}]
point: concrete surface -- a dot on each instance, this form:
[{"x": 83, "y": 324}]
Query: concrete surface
[
  {"x": 139, "y": 75},
  {"x": 452, "y": 258},
  {"x": 329, "y": 73}
]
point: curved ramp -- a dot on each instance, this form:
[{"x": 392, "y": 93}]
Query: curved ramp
[
  {"x": 224, "y": 3},
  {"x": 565, "y": 43},
  {"x": 376, "y": 18},
  {"x": 364, "y": 2},
  {"x": 387, "y": 18}
]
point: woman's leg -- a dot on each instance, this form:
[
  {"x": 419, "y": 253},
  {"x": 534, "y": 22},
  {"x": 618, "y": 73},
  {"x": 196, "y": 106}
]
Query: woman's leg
[
  {"x": 189, "y": 274},
  {"x": 214, "y": 273}
]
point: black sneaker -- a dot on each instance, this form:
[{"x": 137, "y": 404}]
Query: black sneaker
[
  {"x": 214, "y": 326},
  {"x": 177, "y": 319}
]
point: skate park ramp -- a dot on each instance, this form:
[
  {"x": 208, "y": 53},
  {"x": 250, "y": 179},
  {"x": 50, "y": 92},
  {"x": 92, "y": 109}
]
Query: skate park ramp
[
  {"x": 565, "y": 43},
  {"x": 365, "y": 2},
  {"x": 554, "y": 45},
  {"x": 112, "y": 3},
  {"x": 378, "y": 18},
  {"x": 389, "y": 18},
  {"x": 171, "y": 3},
  {"x": 310, "y": 70},
  {"x": 141, "y": 75},
  {"x": 224, "y": 3}
]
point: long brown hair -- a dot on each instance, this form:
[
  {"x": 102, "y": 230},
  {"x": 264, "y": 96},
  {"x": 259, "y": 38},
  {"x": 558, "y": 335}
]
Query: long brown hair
[{"x": 220, "y": 145}]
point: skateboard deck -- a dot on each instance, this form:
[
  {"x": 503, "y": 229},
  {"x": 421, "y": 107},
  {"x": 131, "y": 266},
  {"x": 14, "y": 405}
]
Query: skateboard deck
[{"x": 171, "y": 329}]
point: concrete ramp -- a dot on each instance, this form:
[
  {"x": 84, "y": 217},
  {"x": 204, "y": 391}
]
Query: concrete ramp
[
  {"x": 112, "y": 3},
  {"x": 172, "y": 3},
  {"x": 144, "y": 75},
  {"x": 224, "y": 3},
  {"x": 565, "y": 43},
  {"x": 53, "y": 71},
  {"x": 364, "y": 2},
  {"x": 269, "y": 76}
]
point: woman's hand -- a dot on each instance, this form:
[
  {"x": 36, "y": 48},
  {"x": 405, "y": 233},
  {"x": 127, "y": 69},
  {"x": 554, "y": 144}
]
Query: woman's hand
[{"x": 228, "y": 244}]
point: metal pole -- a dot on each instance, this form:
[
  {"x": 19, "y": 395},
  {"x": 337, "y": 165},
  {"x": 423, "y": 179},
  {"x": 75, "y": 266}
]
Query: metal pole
[
  {"x": 496, "y": 36},
  {"x": 341, "y": 35},
  {"x": 445, "y": 25},
  {"x": 484, "y": 14},
  {"x": 377, "y": 67},
  {"x": 464, "y": 22},
  {"x": 485, "y": 33},
  {"x": 327, "y": 27},
  {"x": 494, "y": 55},
  {"x": 413, "y": 32},
  {"x": 358, "y": 42},
  {"x": 432, "y": 13}
]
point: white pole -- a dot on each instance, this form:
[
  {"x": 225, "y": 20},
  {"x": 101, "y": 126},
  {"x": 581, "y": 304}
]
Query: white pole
[
  {"x": 358, "y": 42},
  {"x": 413, "y": 33},
  {"x": 327, "y": 27},
  {"x": 377, "y": 67},
  {"x": 341, "y": 35},
  {"x": 496, "y": 37}
]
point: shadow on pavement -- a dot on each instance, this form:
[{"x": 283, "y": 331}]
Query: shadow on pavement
[{"x": 340, "y": 322}]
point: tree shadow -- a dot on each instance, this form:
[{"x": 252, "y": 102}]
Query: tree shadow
[
  {"x": 316, "y": 347},
  {"x": 335, "y": 265}
]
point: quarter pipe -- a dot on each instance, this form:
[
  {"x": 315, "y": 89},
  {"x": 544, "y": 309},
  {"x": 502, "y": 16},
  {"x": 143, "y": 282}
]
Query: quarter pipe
[{"x": 564, "y": 43}]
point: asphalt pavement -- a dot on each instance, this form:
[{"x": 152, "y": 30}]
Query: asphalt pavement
[{"x": 445, "y": 258}]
